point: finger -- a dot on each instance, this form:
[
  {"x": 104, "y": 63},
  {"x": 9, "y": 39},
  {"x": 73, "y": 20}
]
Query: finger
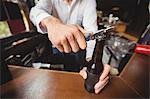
[
  {"x": 105, "y": 72},
  {"x": 99, "y": 89},
  {"x": 80, "y": 39},
  {"x": 101, "y": 83},
  {"x": 60, "y": 48},
  {"x": 66, "y": 45},
  {"x": 73, "y": 43},
  {"x": 83, "y": 73}
]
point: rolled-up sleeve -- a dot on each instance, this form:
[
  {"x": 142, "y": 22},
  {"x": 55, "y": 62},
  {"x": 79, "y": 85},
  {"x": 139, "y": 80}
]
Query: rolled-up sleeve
[
  {"x": 90, "y": 16},
  {"x": 42, "y": 10}
]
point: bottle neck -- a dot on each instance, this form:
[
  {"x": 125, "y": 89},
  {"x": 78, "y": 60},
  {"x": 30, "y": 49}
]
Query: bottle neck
[{"x": 96, "y": 66}]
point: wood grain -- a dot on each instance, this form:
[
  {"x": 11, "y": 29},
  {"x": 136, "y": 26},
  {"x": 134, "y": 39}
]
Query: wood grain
[
  {"x": 136, "y": 74},
  {"x": 31, "y": 83}
]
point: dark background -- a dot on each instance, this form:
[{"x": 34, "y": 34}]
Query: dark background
[{"x": 133, "y": 12}]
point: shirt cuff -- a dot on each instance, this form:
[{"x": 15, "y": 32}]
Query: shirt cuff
[{"x": 39, "y": 18}]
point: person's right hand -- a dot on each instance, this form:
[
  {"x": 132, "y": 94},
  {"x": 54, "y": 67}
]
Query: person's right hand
[{"x": 65, "y": 38}]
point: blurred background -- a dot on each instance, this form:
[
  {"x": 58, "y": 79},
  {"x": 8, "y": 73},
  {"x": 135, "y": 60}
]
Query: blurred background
[
  {"x": 133, "y": 15},
  {"x": 24, "y": 46}
]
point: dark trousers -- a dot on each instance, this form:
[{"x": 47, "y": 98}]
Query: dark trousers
[{"x": 71, "y": 61}]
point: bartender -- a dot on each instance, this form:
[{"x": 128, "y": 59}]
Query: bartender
[{"x": 62, "y": 20}]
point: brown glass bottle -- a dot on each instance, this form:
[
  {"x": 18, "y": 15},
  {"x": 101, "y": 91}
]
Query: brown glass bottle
[{"x": 94, "y": 67}]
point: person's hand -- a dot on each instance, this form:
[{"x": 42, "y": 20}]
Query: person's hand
[
  {"x": 65, "y": 38},
  {"x": 103, "y": 80}
]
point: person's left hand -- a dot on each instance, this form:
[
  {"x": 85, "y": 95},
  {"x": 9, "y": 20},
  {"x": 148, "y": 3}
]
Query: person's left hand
[{"x": 103, "y": 80}]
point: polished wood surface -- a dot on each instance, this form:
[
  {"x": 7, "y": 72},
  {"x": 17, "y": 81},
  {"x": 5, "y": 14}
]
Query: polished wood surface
[
  {"x": 136, "y": 74},
  {"x": 45, "y": 84},
  {"x": 32, "y": 83}
]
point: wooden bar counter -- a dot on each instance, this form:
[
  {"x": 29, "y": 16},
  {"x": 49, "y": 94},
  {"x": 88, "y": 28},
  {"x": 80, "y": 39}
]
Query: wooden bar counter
[{"x": 29, "y": 83}]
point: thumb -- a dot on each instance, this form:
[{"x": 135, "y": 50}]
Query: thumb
[
  {"x": 81, "y": 29},
  {"x": 85, "y": 32},
  {"x": 83, "y": 73}
]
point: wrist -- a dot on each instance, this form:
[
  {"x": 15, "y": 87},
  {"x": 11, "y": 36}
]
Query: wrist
[{"x": 50, "y": 22}]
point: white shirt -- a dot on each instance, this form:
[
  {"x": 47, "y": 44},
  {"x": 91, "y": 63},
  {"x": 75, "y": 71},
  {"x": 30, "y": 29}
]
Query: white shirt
[{"x": 81, "y": 12}]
